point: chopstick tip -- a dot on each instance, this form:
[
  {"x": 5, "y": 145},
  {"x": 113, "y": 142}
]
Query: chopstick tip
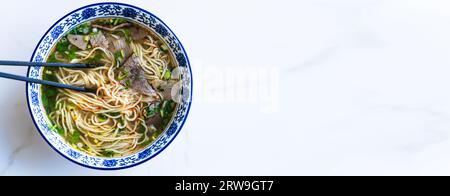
[
  {"x": 92, "y": 65},
  {"x": 90, "y": 90}
]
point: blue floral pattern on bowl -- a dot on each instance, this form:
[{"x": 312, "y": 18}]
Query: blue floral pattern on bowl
[{"x": 63, "y": 26}]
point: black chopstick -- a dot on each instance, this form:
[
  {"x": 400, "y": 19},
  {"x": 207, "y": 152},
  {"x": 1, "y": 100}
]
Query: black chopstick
[
  {"x": 45, "y": 64},
  {"x": 45, "y": 82}
]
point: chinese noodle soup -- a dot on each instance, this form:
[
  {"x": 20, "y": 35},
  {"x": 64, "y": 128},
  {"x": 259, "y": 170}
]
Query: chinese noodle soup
[{"x": 133, "y": 76}]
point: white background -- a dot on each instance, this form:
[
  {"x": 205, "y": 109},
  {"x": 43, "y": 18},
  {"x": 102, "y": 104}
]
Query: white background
[{"x": 362, "y": 89}]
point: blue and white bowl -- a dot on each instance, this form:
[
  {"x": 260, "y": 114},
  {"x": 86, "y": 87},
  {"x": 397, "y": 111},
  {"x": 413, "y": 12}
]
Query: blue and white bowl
[{"x": 64, "y": 25}]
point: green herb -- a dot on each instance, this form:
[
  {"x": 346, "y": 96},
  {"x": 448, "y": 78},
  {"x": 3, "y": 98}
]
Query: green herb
[
  {"x": 102, "y": 117},
  {"x": 75, "y": 137},
  {"x": 122, "y": 53},
  {"x": 49, "y": 93},
  {"x": 86, "y": 30},
  {"x": 61, "y": 47},
  {"x": 141, "y": 128},
  {"x": 121, "y": 121},
  {"x": 123, "y": 74},
  {"x": 118, "y": 56},
  {"x": 167, "y": 108},
  {"x": 72, "y": 55},
  {"x": 164, "y": 48},
  {"x": 108, "y": 153},
  {"x": 128, "y": 82},
  {"x": 121, "y": 77},
  {"x": 52, "y": 58},
  {"x": 167, "y": 75},
  {"x": 58, "y": 130},
  {"x": 83, "y": 29},
  {"x": 152, "y": 110},
  {"x": 104, "y": 21},
  {"x": 125, "y": 33},
  {"x": 74, "y": 31},
  {"x": 96, "y": 59},
  {"x": 117, "y": 21},
  {"x": 114, "y": 114}
]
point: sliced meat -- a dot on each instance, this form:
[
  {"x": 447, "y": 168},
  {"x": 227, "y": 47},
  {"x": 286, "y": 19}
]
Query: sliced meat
[
  {"x": 136, "y": 77},
  {"x": 119, "y": 44},
  {"x": 110, "y": 40},
  {"x": 165, "y": 87},
  {"x": 137, "y": 33},
  {"x": 99, "y": 40},
  {"x": 78, "y": 41},
  {"x": 156, "y": 121}
]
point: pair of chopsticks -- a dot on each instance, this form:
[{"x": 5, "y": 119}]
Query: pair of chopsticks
[{"x": 46, "y": 82}]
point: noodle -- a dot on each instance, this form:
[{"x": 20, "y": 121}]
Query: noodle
[{"x": 111, "y": 122}]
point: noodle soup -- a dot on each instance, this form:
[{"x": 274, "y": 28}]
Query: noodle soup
[{"x": 133, "y": 76}]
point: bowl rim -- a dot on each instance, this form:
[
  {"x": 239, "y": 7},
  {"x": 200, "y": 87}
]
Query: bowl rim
[{"x": 189, "y": 102}]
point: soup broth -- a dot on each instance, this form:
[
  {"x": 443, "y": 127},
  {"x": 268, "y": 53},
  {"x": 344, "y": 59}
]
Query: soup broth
[{"x": 133, "y": 76}]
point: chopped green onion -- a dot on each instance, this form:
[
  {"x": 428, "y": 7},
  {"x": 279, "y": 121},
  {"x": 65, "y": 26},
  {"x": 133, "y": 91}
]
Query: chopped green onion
[
  {"x": 122, "y": 52},
  {"x": 126, "y": 72},
  {"x": 167, "y": 75},
  {"x": 123, "y": 74},
  {"x": 102, "y": 118},
  {"x": 164, "y": 48},
  {"x": 121, "y": 77},
  {"x": 118, "y": 55},
  {"x": 58, "y": 130},
  {"x": 86, "y": 30},
  {"x": 128, "y": 82}
]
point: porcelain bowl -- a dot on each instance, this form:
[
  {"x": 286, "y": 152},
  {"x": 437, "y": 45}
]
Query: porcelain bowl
[{"x": 64, "y": 25}]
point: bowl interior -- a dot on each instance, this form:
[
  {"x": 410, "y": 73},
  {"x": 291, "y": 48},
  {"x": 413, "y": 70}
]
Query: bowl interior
[{"x": 64, "y": 25}]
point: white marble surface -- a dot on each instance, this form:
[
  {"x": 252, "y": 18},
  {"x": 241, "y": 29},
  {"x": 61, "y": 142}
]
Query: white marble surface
[{"x": 356, "y": 87}]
